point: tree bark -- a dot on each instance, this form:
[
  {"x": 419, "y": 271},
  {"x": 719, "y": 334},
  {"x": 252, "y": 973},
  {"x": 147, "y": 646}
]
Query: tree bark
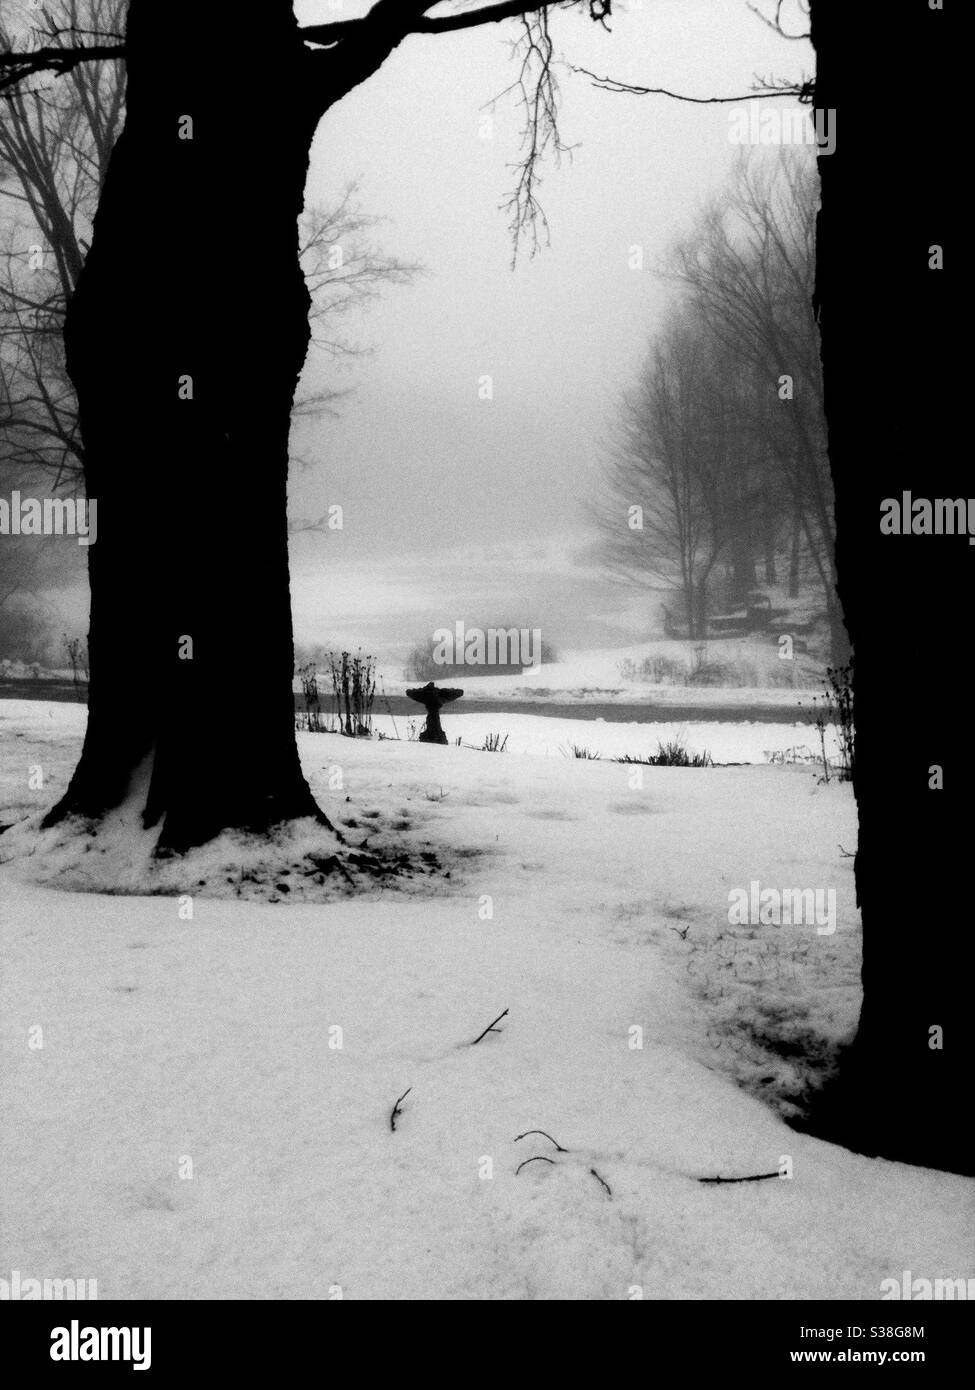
[
  {"x": 185, "y": 383},
  {"x": 901, "y": 1091}
]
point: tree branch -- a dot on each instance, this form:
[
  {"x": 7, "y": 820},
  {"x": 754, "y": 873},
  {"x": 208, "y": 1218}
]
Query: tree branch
[
  {"x": 422, "y": 24},
  {"x": 547, "y": 1136},
  {"x": 776, "y": 24},
  {"x": 600, "y": 1179},
  {"x": 489, "y": 1029},
  {"x": 14, "y": 67},
  {"x": 611, "y": 84},
  {"x": 539, "y": 1158},
  {"x": 752, "y": 1177},
  {"x": 397, "y": 1110},
  {"x": 491, "y": 14}
]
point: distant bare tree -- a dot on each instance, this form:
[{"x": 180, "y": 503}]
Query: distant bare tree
[
  {"x": 660, "y": 519},
  {"x": 723, "y": 443},
  {"x": 690, "y": 454},
  {"x": 344, "y": 270},
  {"x": 56, "y": 140},
  {"x": 749, "y": 269}
]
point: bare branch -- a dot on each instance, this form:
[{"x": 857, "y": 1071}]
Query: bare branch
[
  {"x": 539, "y": 1158},
  {"x": 422, "y": 24},
  {"x": 538, "y": 93},
  {"x": 396, "y": 1109},
  {"x": 775, "y": 23},
  {"x": 542, "y": 1132},
  {"x": 602, "y": 1180},
  {"x": 14, "y": 67},
  {"x": 762, "y": 89},
  {"x": 489, "y": 1029},
  {"x": 753, "y": 1177}
]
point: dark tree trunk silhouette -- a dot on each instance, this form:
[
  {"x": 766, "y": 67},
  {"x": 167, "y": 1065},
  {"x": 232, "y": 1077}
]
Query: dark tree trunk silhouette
[
  {"x": 185, "y": 402},
  {"x": 901, "y": 1090},
  {"x": 185, "y": 392}
]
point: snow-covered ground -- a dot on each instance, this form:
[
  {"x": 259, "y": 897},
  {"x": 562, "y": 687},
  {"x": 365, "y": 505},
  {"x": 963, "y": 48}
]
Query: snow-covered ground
[
  {"x": 744, "y": 742},
  {"x": 199, "y": 1107}
]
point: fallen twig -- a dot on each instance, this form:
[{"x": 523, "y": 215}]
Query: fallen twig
[
  {"x": 602, "y": 1180},
  {"x": 547, "y": 1136},
  {"x": 396, "y": 1109},
  {"x": 489, "y": 1029},
  {"x": 754, "y": 1177},
  {"x": 539, "y": 1158}
]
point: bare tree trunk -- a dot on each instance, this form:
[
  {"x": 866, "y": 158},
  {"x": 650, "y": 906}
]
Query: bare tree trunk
[
  {"x": 796, "y": 553},
  {"x": 185, "y": 397},
  {"x": 743, "y": 578},
  {"x": 700, "y": 609},
  {"x": 901, "y": 1090},
  {"x": 690, "y": 607}
]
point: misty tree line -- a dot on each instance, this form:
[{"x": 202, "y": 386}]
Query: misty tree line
[
  {"x": 56, "y": 140},
  {"x": 55, "y": 143},
  {"x": 718, "y": 476}
]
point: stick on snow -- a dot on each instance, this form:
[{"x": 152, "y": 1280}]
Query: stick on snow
[
  {"x": 605, "y": 1184},
  {"x": 547, "y": 1136},
  {"x": 539, "y": 1158},
  {"x": 489, "y": 1029},
  {"x": 396, "y": 1109},
  {"x": 754, "y": 1177}
]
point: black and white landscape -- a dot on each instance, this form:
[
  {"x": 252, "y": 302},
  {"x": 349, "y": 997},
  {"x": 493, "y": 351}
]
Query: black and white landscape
[{"x": 473, "y": 346}]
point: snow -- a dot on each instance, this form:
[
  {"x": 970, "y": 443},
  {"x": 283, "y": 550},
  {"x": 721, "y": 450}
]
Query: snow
[
  {"x": 744, "y": 742},
  {"x": 190, "y": 1129}
]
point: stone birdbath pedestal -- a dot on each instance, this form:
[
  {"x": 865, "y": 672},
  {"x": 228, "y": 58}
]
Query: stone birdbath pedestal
[{"x": 432, "y": 701}]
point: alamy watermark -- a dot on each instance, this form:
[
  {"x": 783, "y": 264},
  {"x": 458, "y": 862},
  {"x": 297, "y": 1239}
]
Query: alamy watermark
[
  {"x": 20, "y": 1289},
  {"x": 923, "y": 1290},
  {"x": 50, "y": 516},
  {"x": 77, "y": 1343},
  {"x": 908, "y": 515},
  {"x": 493, "y": 646},
  {"x": 775, "y": 125},
  {"x": 776, "y": 907}
]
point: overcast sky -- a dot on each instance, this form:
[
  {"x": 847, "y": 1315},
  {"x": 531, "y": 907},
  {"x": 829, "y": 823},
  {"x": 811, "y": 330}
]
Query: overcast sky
[{"x": 435, "y": 482}]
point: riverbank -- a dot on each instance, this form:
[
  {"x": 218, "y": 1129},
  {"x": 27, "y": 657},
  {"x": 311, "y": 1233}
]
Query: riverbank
[{"x": 678, "y": 705}]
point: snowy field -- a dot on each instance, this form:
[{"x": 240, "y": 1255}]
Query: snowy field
[
  {"x": 200, "y": 1107},
  {"x": 745, "y": 742}
]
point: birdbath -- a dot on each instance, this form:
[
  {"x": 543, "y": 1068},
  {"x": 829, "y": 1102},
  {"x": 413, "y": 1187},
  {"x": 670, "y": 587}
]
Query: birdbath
[{"x": 432, "y": 699}]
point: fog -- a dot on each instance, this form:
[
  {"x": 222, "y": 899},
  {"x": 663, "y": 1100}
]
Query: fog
[{"x": 460, "y": 506}]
